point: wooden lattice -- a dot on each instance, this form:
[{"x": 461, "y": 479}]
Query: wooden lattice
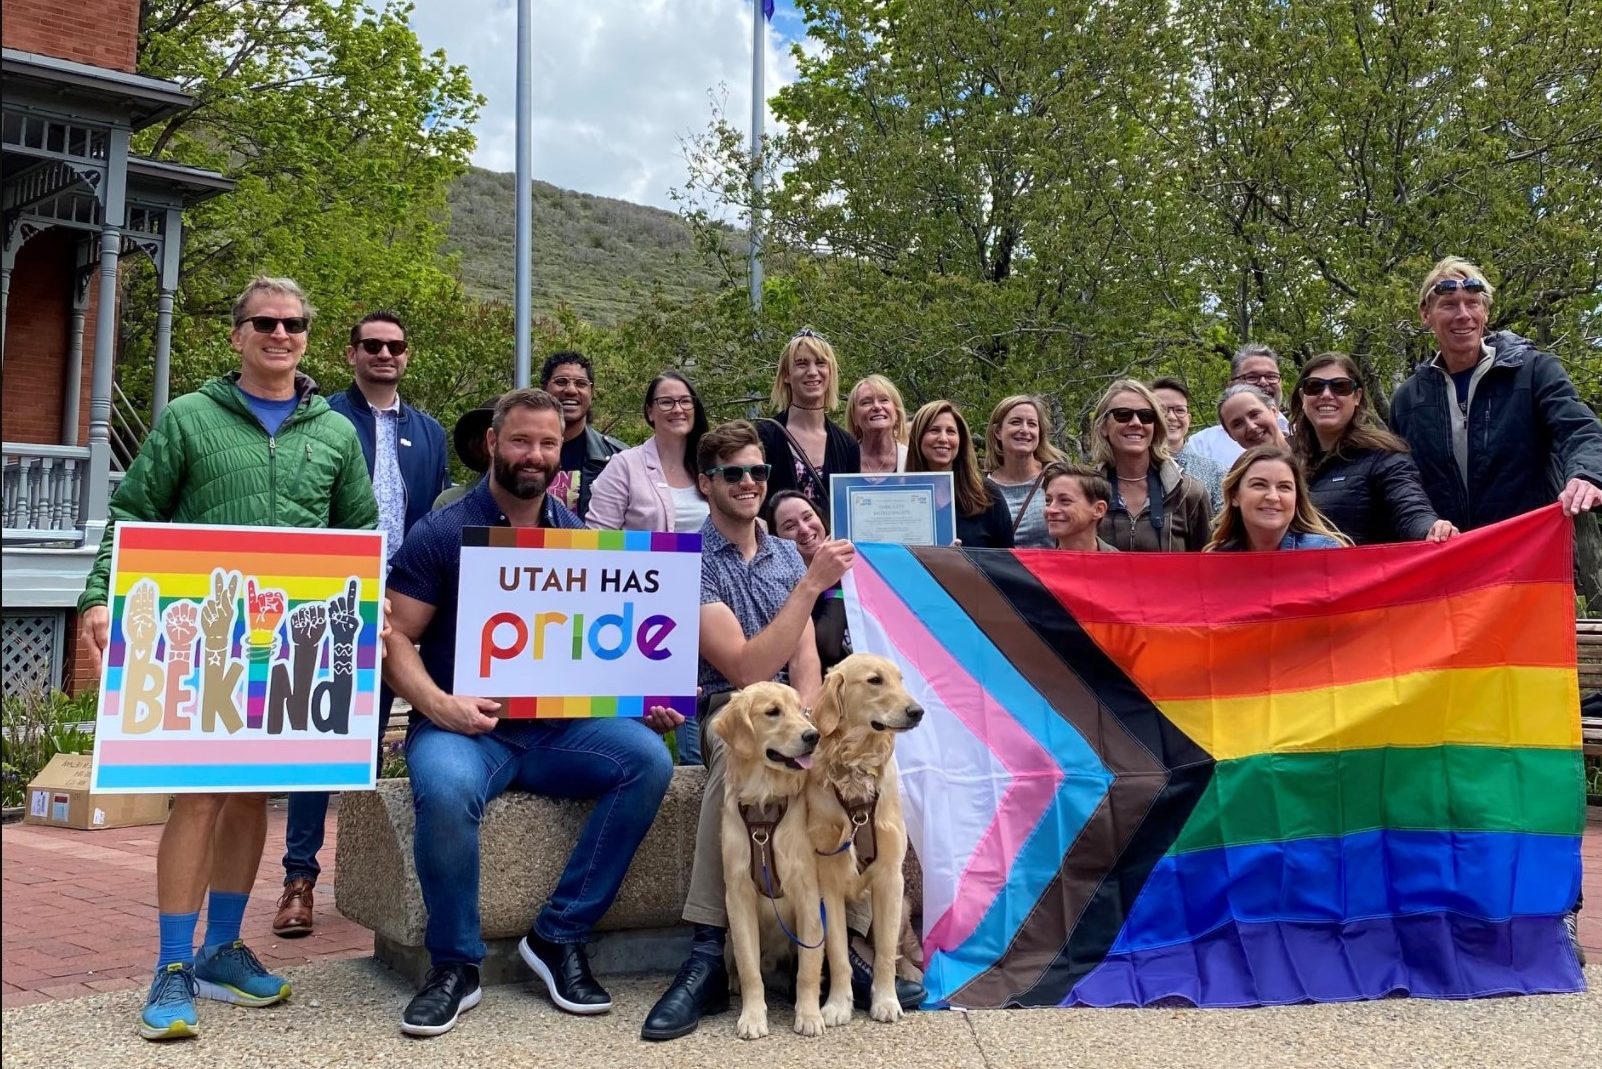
[{"x": 32, "y": 647}]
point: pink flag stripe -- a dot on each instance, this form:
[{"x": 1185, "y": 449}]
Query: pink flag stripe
[
  {"x": 1036, "y": 776},
  {"x": 234, "y": 751}
]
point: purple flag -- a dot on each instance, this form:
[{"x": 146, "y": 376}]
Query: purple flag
[{"x": 767, "y": 9}]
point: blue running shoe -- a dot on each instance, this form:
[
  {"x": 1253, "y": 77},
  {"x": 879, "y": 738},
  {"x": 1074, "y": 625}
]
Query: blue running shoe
[
  {"x": 231, "y": 973},
  {"x": 169, "y": 1012}
]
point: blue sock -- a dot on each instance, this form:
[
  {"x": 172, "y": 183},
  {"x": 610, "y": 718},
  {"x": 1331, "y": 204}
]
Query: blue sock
[
  {"x": 224, "y": 912},
  {"x": 177, "y": 938}
]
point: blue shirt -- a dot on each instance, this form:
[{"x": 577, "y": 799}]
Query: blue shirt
[
  {"x": 754, "y": 590},
  {"x": 429, "y": 566},
  {"x": 1305, "y": 540},
  {"x": 272, "y": 413}
]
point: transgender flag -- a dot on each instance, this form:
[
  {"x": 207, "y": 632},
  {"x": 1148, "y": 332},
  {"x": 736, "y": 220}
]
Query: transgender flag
[{"x": 1239, "y": 779}]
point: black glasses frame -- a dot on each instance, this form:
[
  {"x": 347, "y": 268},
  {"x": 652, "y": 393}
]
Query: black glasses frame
[
  {"x": 734, "y": 474},
  {"x": 1341, "y": 387},
  {"x": 268, "y": 324},
  {"x": 374, "y": 346},
  {"x": 1146, "y": 416}
]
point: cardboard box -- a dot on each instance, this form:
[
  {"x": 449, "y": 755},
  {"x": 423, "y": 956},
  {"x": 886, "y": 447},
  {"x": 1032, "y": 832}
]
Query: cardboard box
[{"x": 59, "y": 796}]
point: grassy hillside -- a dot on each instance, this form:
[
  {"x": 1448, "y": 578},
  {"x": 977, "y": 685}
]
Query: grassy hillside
[{"x": 603, "y": 257}]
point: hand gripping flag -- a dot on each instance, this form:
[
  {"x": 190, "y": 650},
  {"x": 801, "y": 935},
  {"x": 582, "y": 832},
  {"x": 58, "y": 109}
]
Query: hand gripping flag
[{"x": 1239, "y": 779}]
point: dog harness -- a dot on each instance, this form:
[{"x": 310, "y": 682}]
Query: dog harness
[
  {"x": 861, "y": 834},
  {"x": 760, "y": 821}
]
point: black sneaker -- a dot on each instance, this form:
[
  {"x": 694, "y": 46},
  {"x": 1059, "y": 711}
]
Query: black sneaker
[
  {"x": 566, "y": 972},
  {"x": 701, "y": 989},
  {"x": 448, "y": 992}
]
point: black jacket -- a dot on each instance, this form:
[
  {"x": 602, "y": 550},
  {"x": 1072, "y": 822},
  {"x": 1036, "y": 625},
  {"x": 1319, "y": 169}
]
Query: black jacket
[
  {"x": 1372, "y": 495},
  {"x": 990, "y": 529},
  {"x": 1528, "y": 434},
  {"x": 419, "y": 449},
  {"x": 841, "y": 455},
  {"x": 599, "y": 449}
]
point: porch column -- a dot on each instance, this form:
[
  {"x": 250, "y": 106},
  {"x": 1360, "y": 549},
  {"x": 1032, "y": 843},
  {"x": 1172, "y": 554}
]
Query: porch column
[
  {"x": 171, "y": 248},
  {"x": 113, "y": 212},
  {"x": 5, "y": 300},
  {"x": 74, "y": 376}
]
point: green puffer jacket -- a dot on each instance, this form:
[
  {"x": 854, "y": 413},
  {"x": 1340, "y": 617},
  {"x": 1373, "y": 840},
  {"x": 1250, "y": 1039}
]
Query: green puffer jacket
[{"x": 209, "y": 460}]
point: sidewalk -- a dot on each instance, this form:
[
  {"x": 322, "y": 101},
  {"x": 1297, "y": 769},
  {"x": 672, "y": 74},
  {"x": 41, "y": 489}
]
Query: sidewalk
[{"x": 80, "y": 910}]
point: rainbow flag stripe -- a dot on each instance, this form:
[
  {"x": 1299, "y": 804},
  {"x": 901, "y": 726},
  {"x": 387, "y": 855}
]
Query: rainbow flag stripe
[{"x": 1239, "y": 779}]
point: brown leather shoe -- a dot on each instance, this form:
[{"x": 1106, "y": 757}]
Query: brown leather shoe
[{"x": 294, "y": 910}]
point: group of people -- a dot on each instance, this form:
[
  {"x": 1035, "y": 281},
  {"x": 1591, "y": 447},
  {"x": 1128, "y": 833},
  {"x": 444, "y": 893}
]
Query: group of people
[{"x": 1488, "y": 428}]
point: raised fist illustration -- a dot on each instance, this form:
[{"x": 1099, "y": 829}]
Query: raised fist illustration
[{"x": 180, "y": 625}]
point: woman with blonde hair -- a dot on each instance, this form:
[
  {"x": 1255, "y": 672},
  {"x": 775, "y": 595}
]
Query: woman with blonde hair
[
  {"x": 1017, "y": 449},
  {"x": 802, "y": 445},
  {"x": 1155, "y": 506},
  {"x": 1360, "y": 475},
  {"x": 940, "y": 442},
  {"x": 877, "y": 419},
  {"x": 1267, "y": 507}
]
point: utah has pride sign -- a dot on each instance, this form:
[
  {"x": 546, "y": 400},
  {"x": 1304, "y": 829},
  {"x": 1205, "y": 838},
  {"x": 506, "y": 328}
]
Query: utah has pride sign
[
  {"x": 560, "y": 623},
  {"x": 240, "y": 659}
]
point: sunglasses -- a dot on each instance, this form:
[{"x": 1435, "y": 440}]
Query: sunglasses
[
  {"x": 1452, "y": 285},
  {"x": 734, "y": 474},
  {"x": 268, "y": 324},
  {"x": 807, "y": 332},
  {"x": 374, "y": 346},
  {"x": 1341, "y": 387},
  {"x": 1123, "y": 415}
]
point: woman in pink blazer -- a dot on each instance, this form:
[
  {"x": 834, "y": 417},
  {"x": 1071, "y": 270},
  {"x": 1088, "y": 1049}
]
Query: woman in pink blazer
[{"x": 652, "y": 486}]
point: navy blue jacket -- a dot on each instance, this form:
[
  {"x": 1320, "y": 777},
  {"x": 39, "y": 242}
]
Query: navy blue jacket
[
  {"x": 419, "y": 447},
  {"x": 1528, "y": 434}
]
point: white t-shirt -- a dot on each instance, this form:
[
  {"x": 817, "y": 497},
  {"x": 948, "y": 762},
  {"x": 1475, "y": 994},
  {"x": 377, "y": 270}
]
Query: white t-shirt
[
  {"x": 689, "y": 508},
  {"x": 1216, "y": 445}
]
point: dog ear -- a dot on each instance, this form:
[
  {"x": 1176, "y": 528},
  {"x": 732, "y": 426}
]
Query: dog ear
[
  {"x": 826, "y": 711},
  {"x": 733, "y": 726}
]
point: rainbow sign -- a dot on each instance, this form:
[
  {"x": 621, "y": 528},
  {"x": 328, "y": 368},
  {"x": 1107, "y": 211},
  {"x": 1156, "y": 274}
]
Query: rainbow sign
[
  {"x": 570, "y": 623},
  {"x": 241, "y": 659}
]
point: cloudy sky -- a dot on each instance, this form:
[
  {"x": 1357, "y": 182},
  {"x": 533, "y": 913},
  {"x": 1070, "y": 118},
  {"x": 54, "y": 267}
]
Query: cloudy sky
[{"x": 617, "y": 83}]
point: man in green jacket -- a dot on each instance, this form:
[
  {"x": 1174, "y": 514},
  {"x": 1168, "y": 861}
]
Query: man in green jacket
[{"x": 259, "y": 448}]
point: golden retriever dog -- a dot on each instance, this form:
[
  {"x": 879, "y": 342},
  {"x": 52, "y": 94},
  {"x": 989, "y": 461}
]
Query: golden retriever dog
[
  {"x": 770, "y": 873},
  {"x": 854, "y": 820}
]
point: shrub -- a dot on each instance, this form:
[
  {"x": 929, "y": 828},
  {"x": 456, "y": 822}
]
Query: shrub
[{"x": 37, "y": 725}]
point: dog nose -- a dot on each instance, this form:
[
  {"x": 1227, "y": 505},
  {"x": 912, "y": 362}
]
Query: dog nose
[
  {"x": 809, "y": 737},
  {"x": 915, "y": 712}
]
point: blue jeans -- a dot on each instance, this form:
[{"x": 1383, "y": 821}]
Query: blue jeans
[
  {"x": 308, "y": 812},
  {"x": 689, "y": 740},
  {"x": 622, "y": 764}
]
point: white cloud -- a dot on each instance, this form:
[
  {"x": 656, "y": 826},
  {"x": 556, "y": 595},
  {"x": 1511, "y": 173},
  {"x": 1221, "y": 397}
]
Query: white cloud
[{"x": 617, "y": 83}]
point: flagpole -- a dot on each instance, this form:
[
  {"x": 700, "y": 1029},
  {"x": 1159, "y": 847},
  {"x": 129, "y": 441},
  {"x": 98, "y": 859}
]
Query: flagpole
[
  {"x": 758, "y": 109},
  {"x": 523, "y": 318}
]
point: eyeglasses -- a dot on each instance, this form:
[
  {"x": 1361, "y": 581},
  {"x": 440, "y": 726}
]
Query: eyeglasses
[
  {"x": 564, "y": 383},
  {"x": 374, "y": 346},
  {"x": 1177, "y": 410},
  {"x": 734, "y": 474},
  {"x": 1452, "y": 285},
  {"x": 668, "y": 404},
  {"x": 1342, "y": 387},
  {"x": 1258, "y": 378},
  {"x": 1123, "y": 415},
  {"x": 268, "y": 324}
]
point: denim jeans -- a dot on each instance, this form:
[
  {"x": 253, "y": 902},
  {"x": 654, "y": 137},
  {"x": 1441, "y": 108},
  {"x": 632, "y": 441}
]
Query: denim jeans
[
  {"x": 308, "y": 812},
  {"x": 689, "y": 740},
  {"x": 622, "y": 764}
]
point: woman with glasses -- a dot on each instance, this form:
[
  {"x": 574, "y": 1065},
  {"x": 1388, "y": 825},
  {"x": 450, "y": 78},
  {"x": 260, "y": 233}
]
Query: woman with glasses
[
  {"x": 790, "y": 516},
  {"x": 1267, "y": 507},
  {"x": 1017, "y": 449},
  {"x": 1360, "y": 475},
  {"x": 801, "y": 443},
  {"x": 652, "y": 487},
  {"x": 1155, "y": 506},
  {"x": 940, "y": 442},
  {"x": 877, "y": 418}
]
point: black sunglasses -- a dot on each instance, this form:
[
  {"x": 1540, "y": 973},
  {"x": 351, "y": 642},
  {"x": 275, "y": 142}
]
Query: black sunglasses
[
  {"x": 734, "y": 474},
  {"x": 268, "y": 324},
  {"x": 1124, "y": 415},
  {"x": 374, "y": 346},
  {"x": 1452, "y": 285},
  {"x": 1342, "y": 387}
]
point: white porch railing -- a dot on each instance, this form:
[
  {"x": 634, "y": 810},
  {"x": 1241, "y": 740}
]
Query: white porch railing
[{"x": 43, "y": 493}]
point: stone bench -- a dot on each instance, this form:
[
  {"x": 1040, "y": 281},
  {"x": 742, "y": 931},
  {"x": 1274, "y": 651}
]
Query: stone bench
[{"x": 525, "y": 841}]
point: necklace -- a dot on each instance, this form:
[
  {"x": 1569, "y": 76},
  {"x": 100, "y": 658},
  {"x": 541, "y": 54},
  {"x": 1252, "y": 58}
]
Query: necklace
[{"x": 1136, "y": 479}]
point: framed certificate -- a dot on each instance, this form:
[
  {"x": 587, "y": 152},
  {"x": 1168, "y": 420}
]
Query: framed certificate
[{"x": 908, "y": 509}]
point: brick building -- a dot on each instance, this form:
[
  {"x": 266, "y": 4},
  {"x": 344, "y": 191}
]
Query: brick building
[{"x": 74, "y": 202}]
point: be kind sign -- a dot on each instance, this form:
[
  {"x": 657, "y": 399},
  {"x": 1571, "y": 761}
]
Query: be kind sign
[
  {"x": 240, "y": 659},
  {"x": 559, "y": 623}
]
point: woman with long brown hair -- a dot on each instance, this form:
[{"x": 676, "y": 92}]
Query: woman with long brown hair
[
  {"x": 1155, "y": 506},
  {"x": 940, "y": 442},
  {"x": 1360, "y": 475},
  {"x": 1267, "y": 507},
  {"x": 1017, "y": 449}
]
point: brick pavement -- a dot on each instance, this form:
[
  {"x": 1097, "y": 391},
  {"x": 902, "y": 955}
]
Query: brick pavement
[{"x": 80, "y": 909}]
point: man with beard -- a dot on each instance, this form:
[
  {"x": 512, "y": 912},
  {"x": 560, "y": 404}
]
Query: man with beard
[{"x": 461, "y": 755}]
